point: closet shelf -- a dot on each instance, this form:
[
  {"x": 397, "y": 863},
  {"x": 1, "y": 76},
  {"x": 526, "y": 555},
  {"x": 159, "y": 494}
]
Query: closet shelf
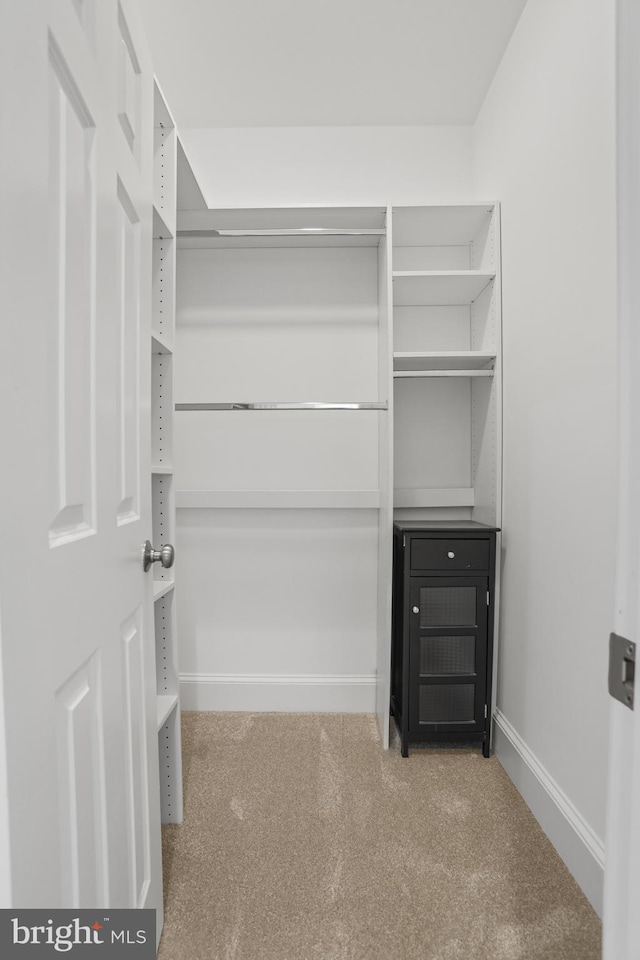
[
  {"x": 366, "y": 405},
  {"x": 161, "y": 231},
  {"x": 445, "y": 225},
  {"x": 161, "y": 469},
  {"x": 438, "y": 287},
  {"x": 161, "y": 588},
  {"x": 444, "y": 361},
  {"x": 278, "y": 499},
  {"x": 407, "y": 497},
  {"x": 160, "y": 344},
  {"x": 165, "y": 705}
]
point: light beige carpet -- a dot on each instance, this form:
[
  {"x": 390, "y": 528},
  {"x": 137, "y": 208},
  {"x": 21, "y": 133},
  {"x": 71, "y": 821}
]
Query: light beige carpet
[{"x": 303, "y": 840}]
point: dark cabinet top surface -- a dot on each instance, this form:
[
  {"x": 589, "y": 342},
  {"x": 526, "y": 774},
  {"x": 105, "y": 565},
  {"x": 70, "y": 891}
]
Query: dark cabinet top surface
[{"x": 442, "y": 526}]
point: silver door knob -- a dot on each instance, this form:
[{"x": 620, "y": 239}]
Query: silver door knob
[
  {"x": 416, "y": 609},
  {"x": 451, "y": 554},
  {"x": 166, "y": 555}
]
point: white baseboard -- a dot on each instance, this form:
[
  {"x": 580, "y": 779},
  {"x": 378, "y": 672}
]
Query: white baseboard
[
  {"x": 580, "y": 848},
  {"x": 303, "y": 693}
]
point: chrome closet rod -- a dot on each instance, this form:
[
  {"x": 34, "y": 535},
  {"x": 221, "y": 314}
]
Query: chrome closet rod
[
  {"x": 374, "y": 405},
  {"x": 289, "y": 232}
]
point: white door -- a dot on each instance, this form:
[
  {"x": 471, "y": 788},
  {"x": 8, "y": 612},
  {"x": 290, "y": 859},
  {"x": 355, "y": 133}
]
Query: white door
[
  {"x": 622, "y": 868},
  {"x": 78, "y": 677}
]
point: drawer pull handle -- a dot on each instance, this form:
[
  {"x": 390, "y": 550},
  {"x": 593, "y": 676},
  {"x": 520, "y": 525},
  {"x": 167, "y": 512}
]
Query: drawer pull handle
[
  {"x": 416, "y": 609},
  {"x": 451, "y": 554}
]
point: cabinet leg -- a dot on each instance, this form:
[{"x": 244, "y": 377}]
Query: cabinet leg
[
  {"x": 404, "y": 747},
  {"x": 486, "y": 748}
]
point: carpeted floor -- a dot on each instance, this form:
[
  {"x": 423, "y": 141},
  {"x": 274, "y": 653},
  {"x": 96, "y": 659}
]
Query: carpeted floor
[{"x": 303, "y": 840}]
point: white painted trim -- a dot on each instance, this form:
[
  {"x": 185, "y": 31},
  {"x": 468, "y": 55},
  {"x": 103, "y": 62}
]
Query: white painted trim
[
  {"x": 290, "y": 693},
  {"x": 5, "y": 845},
  {"x": 577, "y": 844},
  {"x": 621, "y": 928}
]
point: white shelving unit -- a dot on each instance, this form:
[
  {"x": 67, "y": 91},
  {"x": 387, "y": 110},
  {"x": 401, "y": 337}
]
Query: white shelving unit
[
  {"x": 440, "y": 455},
  {"x": 286, "y": 512},
  {"x": 162, "y": 484},
  {"x": 445, "y": 275}
]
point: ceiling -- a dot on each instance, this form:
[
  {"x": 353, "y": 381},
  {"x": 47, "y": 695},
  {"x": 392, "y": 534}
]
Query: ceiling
[{"x": 264, "y": 63}]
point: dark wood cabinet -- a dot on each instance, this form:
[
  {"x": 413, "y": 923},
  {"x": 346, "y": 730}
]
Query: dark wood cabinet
[{"x": 443, "y": 621}]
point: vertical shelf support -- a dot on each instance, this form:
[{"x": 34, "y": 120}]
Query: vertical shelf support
[{"x": 162, "y": 495}]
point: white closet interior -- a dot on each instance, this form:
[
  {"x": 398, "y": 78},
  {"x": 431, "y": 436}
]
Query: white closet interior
[
  {"x": 278, "y": 518},
  {"x": 331, "y": 365}
]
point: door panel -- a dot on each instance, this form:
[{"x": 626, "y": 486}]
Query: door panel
[
  {"x": 77, "y": 632},
  {"x": 137, "y": 749},
  {"x": 128, "y": 284},
  {"x": 129, "y": 82},
  {"x": 82, "y": 786},
  {"x": 448, "y": 654},
  {"x": 72, "y": 232}
]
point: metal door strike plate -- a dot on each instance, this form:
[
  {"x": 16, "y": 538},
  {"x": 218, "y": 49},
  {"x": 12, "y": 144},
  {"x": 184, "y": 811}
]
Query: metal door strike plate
[{"x": 622, "y": 669}]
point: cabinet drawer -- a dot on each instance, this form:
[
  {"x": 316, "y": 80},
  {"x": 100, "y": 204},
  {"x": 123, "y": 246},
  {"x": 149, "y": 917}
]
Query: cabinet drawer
[{"x": 430, "y": 554}]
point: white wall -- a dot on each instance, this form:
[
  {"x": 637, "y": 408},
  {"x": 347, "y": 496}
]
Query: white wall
[
  {"x": 341, "y": 166},
  {"x": 544, "y": 145}
]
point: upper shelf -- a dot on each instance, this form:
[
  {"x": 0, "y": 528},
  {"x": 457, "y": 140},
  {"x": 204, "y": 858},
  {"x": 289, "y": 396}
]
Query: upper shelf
[
  {"x": 439, "y": 360},
  {"x": 438, "y": 287},
  {"x": 441, "y": 225},
  {"x": 292, "y": 227}
]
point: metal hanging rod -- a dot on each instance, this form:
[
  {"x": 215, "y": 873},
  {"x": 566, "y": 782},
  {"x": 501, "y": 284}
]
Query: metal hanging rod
[
  {"x": 375, "y": 405},
  {"x": 289, "y": 232},
  {"x": 470, "y": 372}
]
